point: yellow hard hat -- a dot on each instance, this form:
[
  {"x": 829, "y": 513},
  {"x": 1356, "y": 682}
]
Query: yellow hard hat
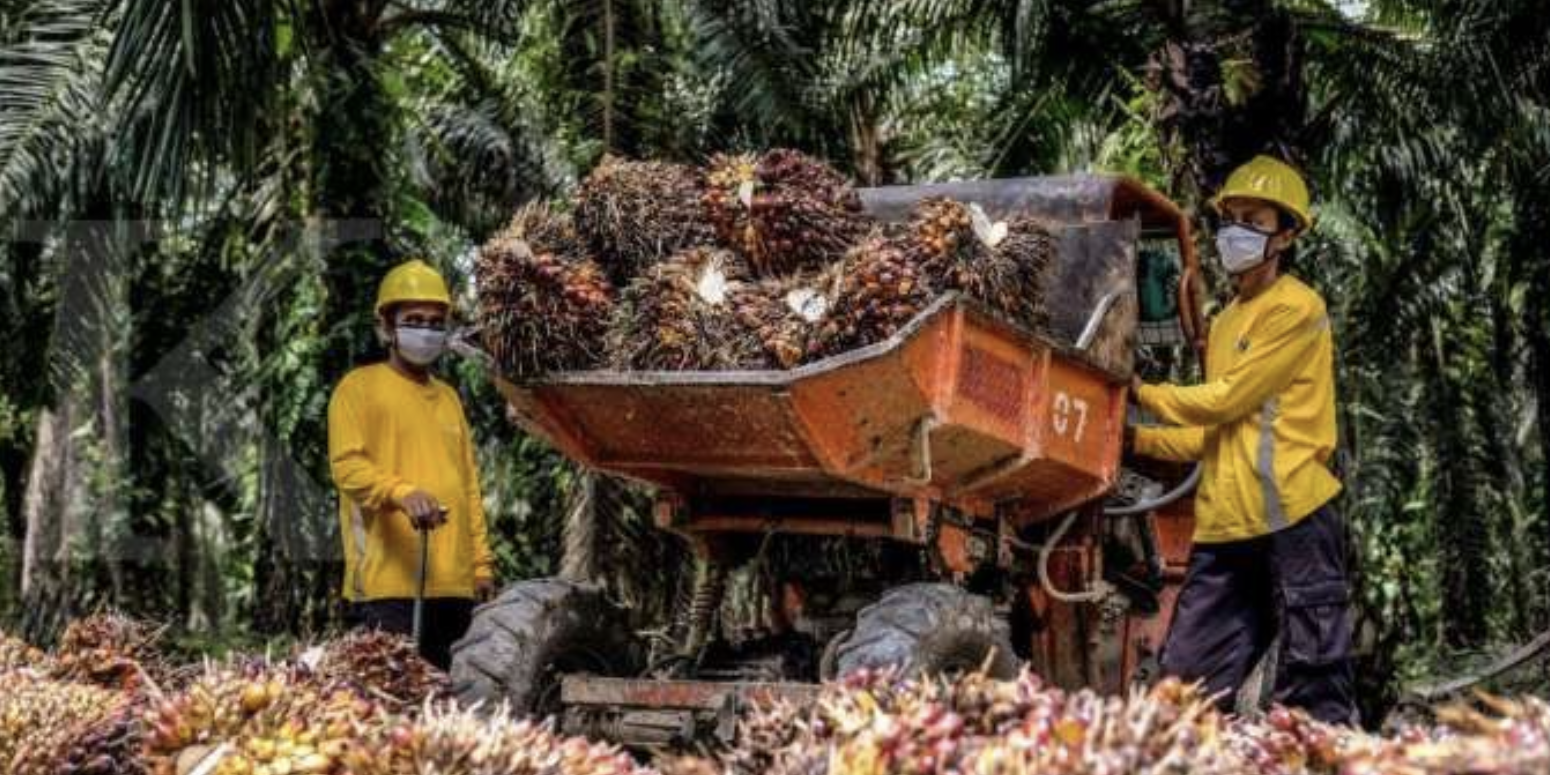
[
  {"x": 413, "y": 280},
  {"x": 1272, "y": 181}
]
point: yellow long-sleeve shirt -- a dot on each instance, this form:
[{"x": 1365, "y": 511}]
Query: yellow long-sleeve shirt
[
  {"x": 1263, "y": 422},
  {"x": 387, "y": 435}
]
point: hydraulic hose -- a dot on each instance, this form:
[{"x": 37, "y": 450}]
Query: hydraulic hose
[
  {"x": 1101, "y": 588},
  {"x": 1097, "y": 592},
  {"x": 1184, "y": 488}
]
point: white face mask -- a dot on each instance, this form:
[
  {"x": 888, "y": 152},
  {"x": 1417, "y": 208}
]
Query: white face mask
[
  {"x": 420, "y": 346},
  {"x": 1241, "y": 248}
]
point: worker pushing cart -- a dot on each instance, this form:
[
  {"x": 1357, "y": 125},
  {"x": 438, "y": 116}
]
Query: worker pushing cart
[{"x": 1269, "y": 555}]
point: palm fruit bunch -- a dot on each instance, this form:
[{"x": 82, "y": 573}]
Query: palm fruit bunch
[
  {"x": 635, "y": 213},
  {"x": 380, "y": 665},
  {"x": 684, "y": 314},
  {"x": 40, "y": 716},
  {"x": 787, "y": 314},
  {"x": 1001, "y": 265},
  {"x": 110, "y": 649},
  {"x": 782, "y": 210},
  {"x": 257, "y": 720},
  {"x": 1030, "y": 248},
  {"x": 16, "y": 653},
  {"x": 882, "y": 288},
  {"x": 543, "y": 306},
  {"x": 449, "y": 740}
]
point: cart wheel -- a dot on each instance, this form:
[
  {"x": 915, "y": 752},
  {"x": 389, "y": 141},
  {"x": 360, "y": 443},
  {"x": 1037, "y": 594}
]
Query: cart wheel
[
  {"x": 927, "y": 629},
  {"x": 519, "y": 645},
  {"x": 828, "y": 662}
]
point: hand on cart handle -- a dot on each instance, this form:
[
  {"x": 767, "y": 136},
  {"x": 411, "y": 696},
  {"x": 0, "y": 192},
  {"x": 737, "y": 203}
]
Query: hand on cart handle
[{"x": 425, "y": 513}]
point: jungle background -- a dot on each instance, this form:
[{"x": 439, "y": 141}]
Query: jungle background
[{"x": 200, "y": 196}]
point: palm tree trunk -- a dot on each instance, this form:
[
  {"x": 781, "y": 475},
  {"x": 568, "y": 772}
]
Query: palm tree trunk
[
  {"x": 610, "y": 142},
  {"x": 351, "y": 136},
  {"x": 1463, "y": 526},
  {"x": 866, "y": 142},
  {"x": 1528, "y": 246},
  {"x": 1231, "y": 81}
]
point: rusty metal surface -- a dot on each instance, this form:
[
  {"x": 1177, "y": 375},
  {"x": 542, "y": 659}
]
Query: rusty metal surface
[
  {"x": 1095, "y": 260},
  {"x": 584, "y": 690},
  {"x": 956, "y": 393},
  {"x": 1054, "y": 198}
]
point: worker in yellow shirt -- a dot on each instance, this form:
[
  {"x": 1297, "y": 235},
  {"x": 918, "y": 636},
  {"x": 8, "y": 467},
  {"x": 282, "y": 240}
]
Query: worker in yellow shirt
[
  {"x": 402, "y": 457},
  {"x": 1270, "y": 553}
]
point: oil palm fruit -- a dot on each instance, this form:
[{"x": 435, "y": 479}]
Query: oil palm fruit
[
  {"x": 1003, "y": 266},
  {"x": 380, "y": 665},
  {"x": 786, "y": 314},
  {"x": 635, "y": 213},
  {"x": 109, "y": 649},
  {"x": 873, "y": 722},
  {"x": 882, "y": 287},
  {"x": 782, "y": 210},
  {"x": 543, "y": 306},
  {"x": 105, "y": 745},
  {"x": 16, "y": 653},
  {"x": 448, "y": 740},
  {"x": 257, "y": 720},
  {"x": 39, "y": 716},
  {"x": 684, "y": 314}
]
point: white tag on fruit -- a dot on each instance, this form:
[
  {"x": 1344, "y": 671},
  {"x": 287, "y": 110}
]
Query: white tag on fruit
[
  {"x": 745, "y": 193},
  {"x": 712, "y": 287},
  {"x": 989, "y": 233},
  {"x": 312, "y": 657},
  {"x": 808, "y": 303}
]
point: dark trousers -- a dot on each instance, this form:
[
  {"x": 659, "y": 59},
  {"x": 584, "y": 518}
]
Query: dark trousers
[
  {"x": 446, "y": 619},
  {"x": 1239, "y": 595}
]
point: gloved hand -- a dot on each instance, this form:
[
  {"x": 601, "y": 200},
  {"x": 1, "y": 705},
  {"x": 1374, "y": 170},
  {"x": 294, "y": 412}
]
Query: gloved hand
[
  {"x": 484, "y": 589},
  {"x": 424, "y": 511}
]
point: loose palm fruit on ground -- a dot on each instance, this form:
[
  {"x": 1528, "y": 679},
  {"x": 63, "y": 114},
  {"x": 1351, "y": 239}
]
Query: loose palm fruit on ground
[
  {"x": 448, "y": 740},
  {"x": 110, "y": 649},
  {"x": 379, "y": 665},
  {"x": 39, "y": 716},
  {"x": 16, "y": 653}
]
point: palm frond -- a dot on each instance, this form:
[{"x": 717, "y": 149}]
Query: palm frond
[
  {"x": 761, "y": 46},
  {"x": 196, "y": 80},
  {"x": 494, "y": 19},
  {"x": 52, "y": 117},
  {"x": 482, "y": 145}
]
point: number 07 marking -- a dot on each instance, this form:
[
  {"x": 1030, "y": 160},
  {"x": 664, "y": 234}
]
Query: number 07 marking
[{"x": 1064, "y": 407}]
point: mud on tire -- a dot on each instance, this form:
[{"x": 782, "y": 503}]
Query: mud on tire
[
  {"x": 927, "y": 629},
  {"x": 518, "y": 645}
]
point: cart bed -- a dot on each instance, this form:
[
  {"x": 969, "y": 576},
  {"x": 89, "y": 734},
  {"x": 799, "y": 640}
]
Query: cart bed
[{"x": 957, "y": 407}]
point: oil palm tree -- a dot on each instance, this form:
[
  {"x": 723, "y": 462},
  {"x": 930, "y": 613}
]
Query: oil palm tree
[{"x": 150, "y": 109}]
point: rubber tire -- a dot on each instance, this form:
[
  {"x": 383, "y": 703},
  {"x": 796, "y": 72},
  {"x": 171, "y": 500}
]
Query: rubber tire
[
  {"x": 517, "y": 643},
  {"x": 927, "y": 629}
]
